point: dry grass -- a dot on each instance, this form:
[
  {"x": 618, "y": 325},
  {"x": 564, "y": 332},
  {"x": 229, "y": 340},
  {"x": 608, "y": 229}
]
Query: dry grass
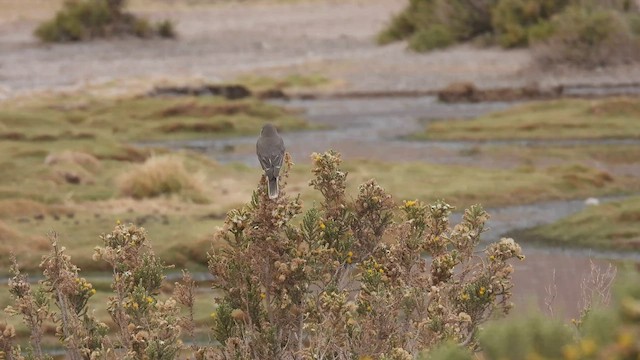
[
  {"x": 162, "y": 175},
  {"x": 87, "y": 161}
]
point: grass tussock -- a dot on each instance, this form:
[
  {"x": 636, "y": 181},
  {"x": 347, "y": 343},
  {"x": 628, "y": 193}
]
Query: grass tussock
[
  {"x": 81, "y": 20},
  {"x": 161, "y": 175},
  {"x": 87, "y": 161},
  {"x": 559, "y": 119}
]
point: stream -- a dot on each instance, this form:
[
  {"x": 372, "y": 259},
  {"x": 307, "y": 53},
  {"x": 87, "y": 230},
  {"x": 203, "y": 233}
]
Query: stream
[{"x": 375, "y": 129}]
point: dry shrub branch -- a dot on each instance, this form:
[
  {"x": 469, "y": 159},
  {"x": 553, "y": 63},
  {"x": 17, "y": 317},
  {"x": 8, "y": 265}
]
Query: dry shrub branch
[{"x": 353, "y": 277}]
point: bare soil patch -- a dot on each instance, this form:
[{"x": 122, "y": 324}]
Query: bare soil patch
[{"x": 222, "y": 41}]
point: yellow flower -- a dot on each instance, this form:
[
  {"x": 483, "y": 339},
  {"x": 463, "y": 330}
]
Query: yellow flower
[
  {"x": 93, "y": 291},
  {"x": 481, "y": 291},
  {"x": 118, "y": 222},
  {"x": 350, "y": 254},
  {"x": 570, "y": 352},
  {"x": 149, "y": 299},
  {"x": 492, "y": 258},
  {"x": 348, "y": 260},
  {"x": 263, "y": 296},
  {"x": 381, "y": 271},
  {"x": 135, "y": 306},
  {"x": 588, "y": 347},
  {"x": 410, "y": 203},
  {"x": 322, "y": 226},
  {"x": 465, "y": 296},
  {"x": 625, "y": 340},
  {"x": 214, "y": 315}
]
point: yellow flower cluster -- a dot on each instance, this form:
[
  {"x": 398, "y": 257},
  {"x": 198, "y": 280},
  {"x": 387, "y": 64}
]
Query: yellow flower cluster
[
  {"x": 349, "y": 257},
  {"x": 85, "y": 286},
  {"x": 585, "y": 348},
  {"x": 410, "y": 203}
]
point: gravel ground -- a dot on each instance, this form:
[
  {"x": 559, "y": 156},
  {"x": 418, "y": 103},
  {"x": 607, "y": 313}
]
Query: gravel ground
[{"x": 218, "y": 42}]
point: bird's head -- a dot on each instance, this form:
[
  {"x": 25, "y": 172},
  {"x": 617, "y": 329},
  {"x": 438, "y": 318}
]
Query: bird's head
[{"x": 269, "y": 130}]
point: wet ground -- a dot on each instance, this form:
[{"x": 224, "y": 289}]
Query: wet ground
[{"x": 376, "y": 128}]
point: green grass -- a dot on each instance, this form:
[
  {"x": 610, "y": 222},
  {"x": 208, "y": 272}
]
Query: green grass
[
  {"x": 101, "y": 129},
  {"x": 610, "y": 226},
  {"x": 181, "y": 230},
  {"x": 610, "y": 154},
  {"x": 259, "y": 83},
  {"x": 64, "y": 172},
  {"x": 66, "y": 166},
  {"x": 614, "y": 118},
  {"x": 77, "y": 118},
  {"x": 463, "y": 185},
  {"x": 180, "y": 239}
]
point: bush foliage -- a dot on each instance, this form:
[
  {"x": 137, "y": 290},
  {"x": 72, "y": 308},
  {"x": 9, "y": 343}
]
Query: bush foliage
[
  {"x": 80, "y": 20},
  {"x": 355, "y": 278},
  {"x": 586, "y": 33},
  {"x": 351, "y": 278}
]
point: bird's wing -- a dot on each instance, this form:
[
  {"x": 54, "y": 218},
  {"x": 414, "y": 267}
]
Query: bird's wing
[{"x": 272, "y": 160}]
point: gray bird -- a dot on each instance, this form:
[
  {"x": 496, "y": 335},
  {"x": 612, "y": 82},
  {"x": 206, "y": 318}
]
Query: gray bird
[{"x": 270, "y": 150}]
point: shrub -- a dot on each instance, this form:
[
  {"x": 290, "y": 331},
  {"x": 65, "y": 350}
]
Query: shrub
[
  {"x": 351, "y": 279},
  {"x": 459, "y": 20},
  {"x": 586, "y": 33},
  {"x": 161, "y": 175},
  {"x": 145, "y": 326},
  {"x": 588, "y": 37},
  {"x": 512, "y": 20},
  {"x": 434, "y": 37},
  {"x": 80, "y": 20},
  {"x": 400, "y": 28},
  {"x": 166, "y": 29}
]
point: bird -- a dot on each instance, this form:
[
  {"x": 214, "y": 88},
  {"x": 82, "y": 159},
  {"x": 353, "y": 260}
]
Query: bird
[{"x": 270, "y": 151}]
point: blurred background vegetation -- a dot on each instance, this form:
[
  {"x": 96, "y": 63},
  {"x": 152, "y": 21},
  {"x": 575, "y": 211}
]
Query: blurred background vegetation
[
  {"x": 587, "y": 33},
  {"x": 89, "y": 19}
]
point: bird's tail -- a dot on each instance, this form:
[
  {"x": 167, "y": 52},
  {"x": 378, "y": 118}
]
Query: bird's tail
[{"x": 273, "y": 188}]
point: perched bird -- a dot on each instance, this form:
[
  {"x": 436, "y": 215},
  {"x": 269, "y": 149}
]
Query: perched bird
[{"x": 270, "y": 150}]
